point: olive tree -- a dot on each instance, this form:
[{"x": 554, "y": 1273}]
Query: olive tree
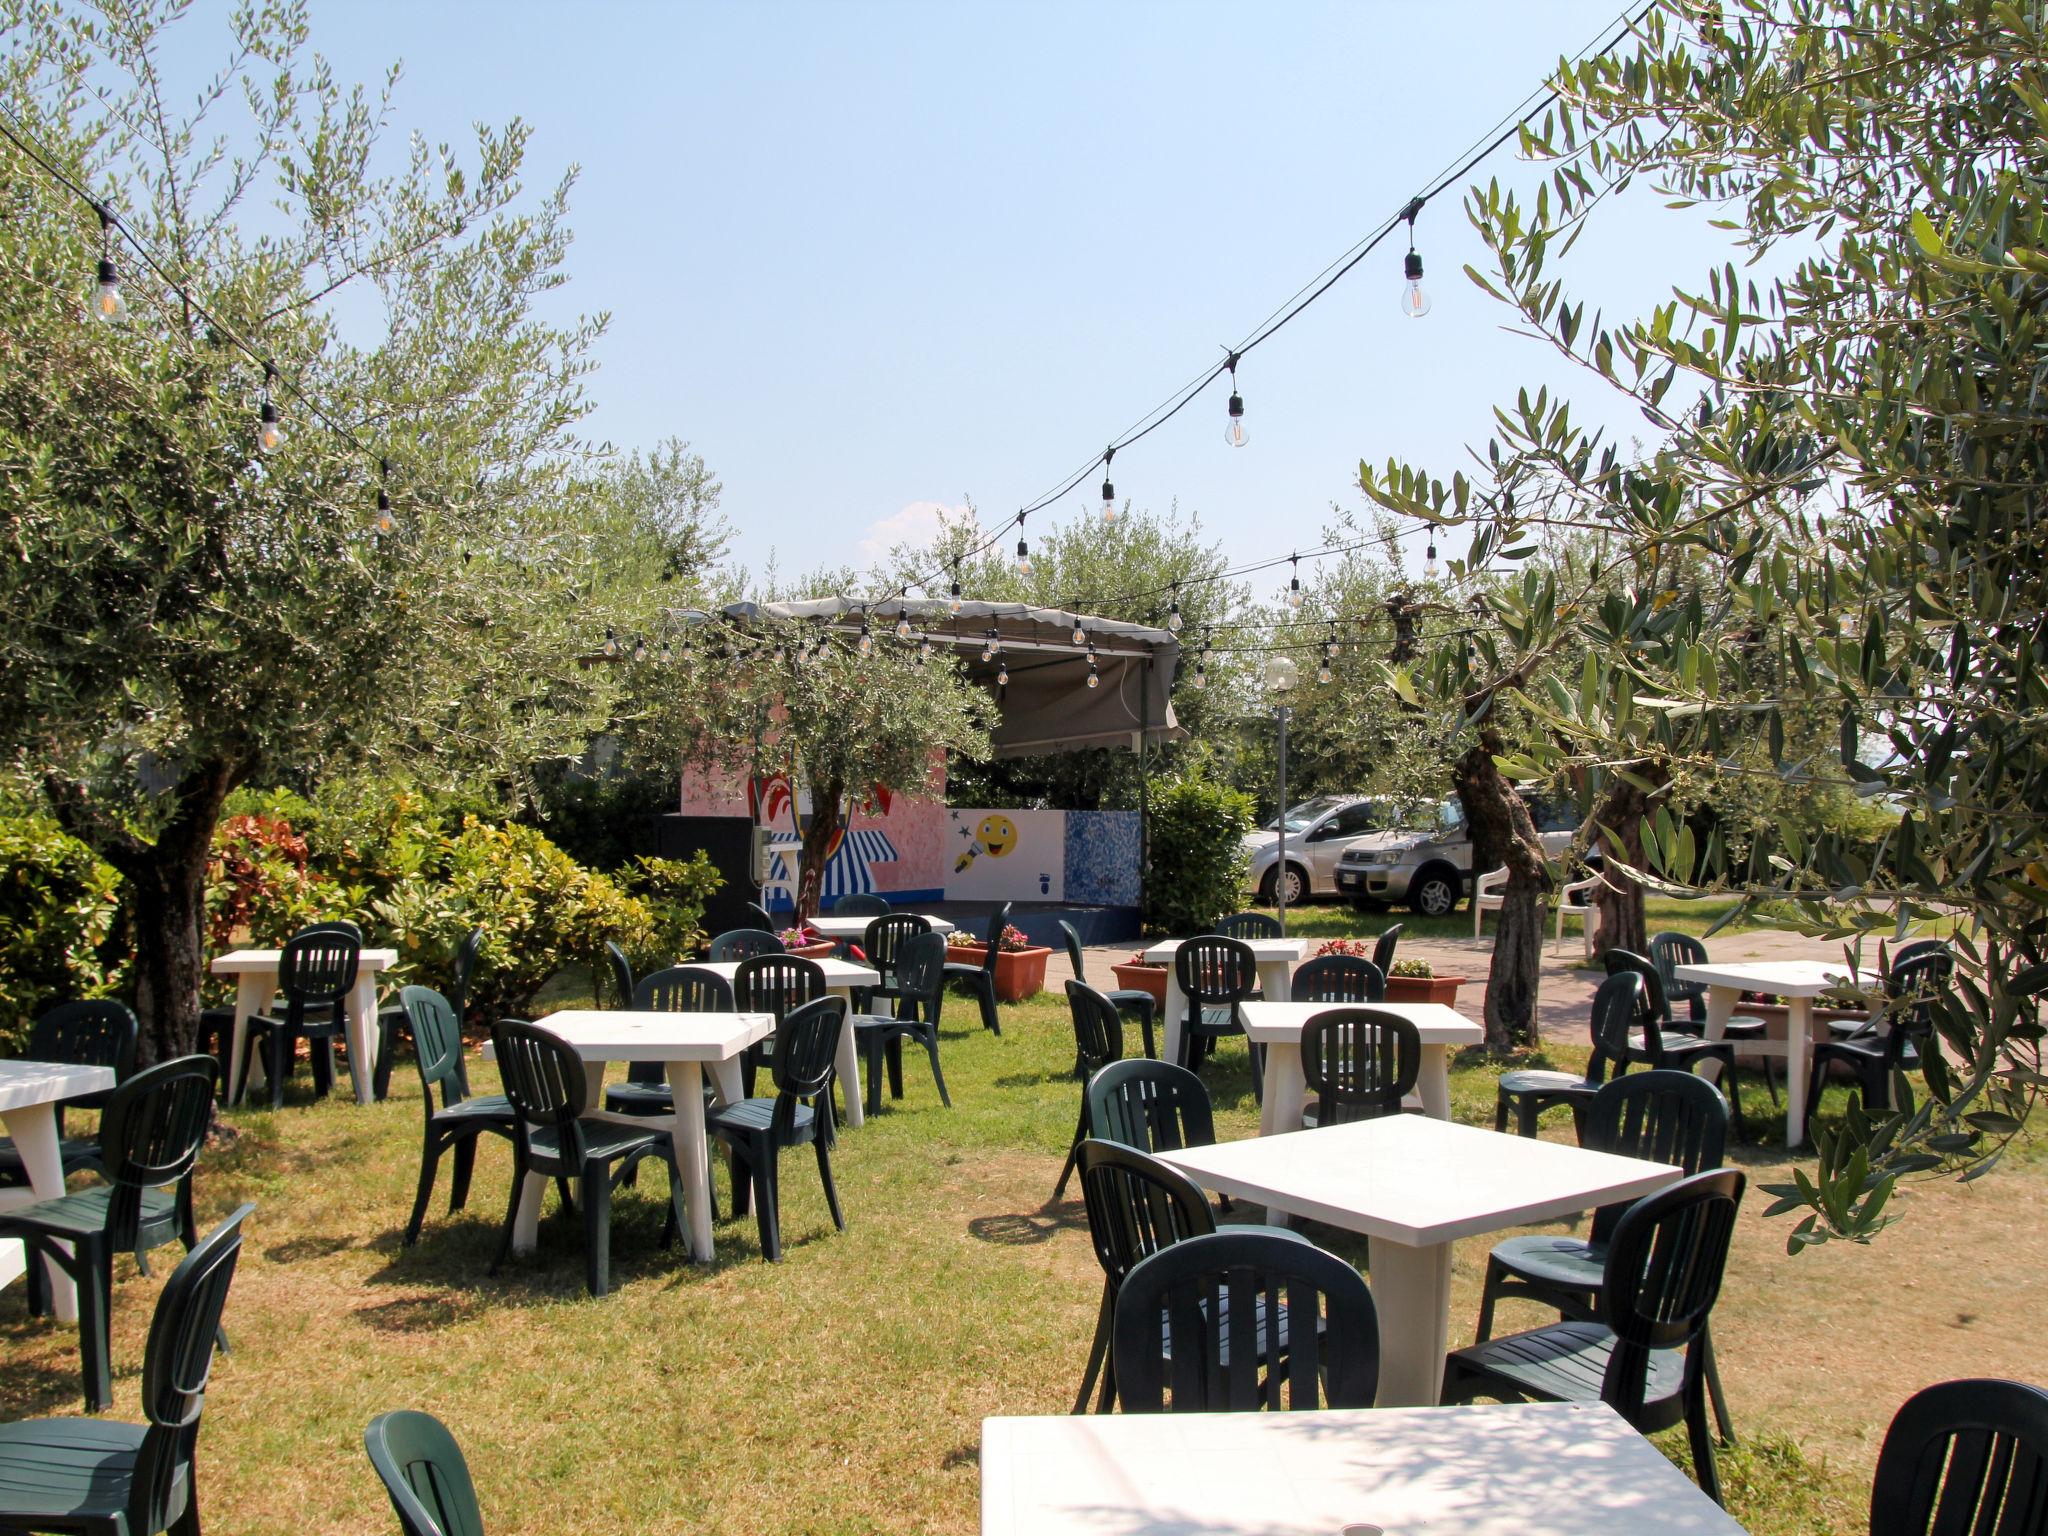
[
  {"x": 1850, "y": 445},
  {"x": 182, "y": 611}
]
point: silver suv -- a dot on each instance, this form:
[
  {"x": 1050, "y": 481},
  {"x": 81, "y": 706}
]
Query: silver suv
[
  {"x": 1429, "y": 867},
  {"x": 1318, "y": 832}
]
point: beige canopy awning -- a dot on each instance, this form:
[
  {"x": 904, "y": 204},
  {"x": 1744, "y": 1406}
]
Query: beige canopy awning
[{"x": 1047, "y": 705}]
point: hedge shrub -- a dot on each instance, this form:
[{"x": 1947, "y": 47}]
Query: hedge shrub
[
  {"x": 57, "y": 908},
  {"x": 1196, "y": 868}
]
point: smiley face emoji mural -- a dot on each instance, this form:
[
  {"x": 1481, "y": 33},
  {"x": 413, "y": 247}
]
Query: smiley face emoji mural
[
  {"x": 998, "y": 834},
  {"x": 995, "y": 835}
]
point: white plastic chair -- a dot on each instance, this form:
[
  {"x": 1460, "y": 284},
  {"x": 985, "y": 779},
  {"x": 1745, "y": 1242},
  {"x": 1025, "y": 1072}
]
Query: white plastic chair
[
  {"x": 1486, "y": 897},
  {"x": 1572, "y": 902}
]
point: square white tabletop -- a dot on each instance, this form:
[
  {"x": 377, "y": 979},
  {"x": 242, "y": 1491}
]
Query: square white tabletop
[
  {"x": 1787, "y": 978},
  {"x": 26, "y": 1083},
  {"x": 624, "y": 1034},
  {"x": 839, "y": 974},
  {"x": 857, "y": 927},
  {"x": 1530, "y": 1469},
  {"x": 1264, "y": 951},
  {"x": 1415, "y": 1180},
  {"x": 267, "y": 960},
  {"x": 1270, "y": 1023}
]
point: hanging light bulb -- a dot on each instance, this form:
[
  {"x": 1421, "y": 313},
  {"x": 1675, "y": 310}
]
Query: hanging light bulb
[
  {"x": 385, "y": 521},
  {"x": 107, "y": 301},
  {"x": 903, "y": 623},
  {"x": 1173, "y": 618},
  {"x": 1323, "y": 671},
  {"x": 1108, "y": 490},
  {"x": 639, "y": 649},
  {"x": 1023, "y": 549},
  {"x": 1429, "y": 559},
  {"x": 269, "y": 433},
  {"x": 1080, "y": 634},
  {"x": 1202, "y": 667},
  {"x": 953, "y": 602},
  {"x": 611, "y": 642},
  {"x": 1235, "y": 432},
  {"x": 867, "y": 640},
  {"x": 668, "y": 655},
  {"x": 924, "y": 649},
  {"x": 1094, "y": 677},
  {"x": 1003, "y": 675},
  {"x": 988, "y": 647},
  {"x": 1294, "y": 583},
  {"x": 1414, "y": 302}
]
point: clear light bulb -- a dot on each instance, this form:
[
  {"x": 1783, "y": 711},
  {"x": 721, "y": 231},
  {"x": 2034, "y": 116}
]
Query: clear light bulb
[
  {"x": 1173, "y": 618},
  {"x": 386, "y": 521},
  {"x": 1023, "y": 558},
  {"x": 639, "y": 649},
  {"x": 1201, "y": 674},
  {"x": 924, "y": 649},
  {"x": 1414, "y": 302},
  {"x": 107, "y": 301},
  {"x": 1235, "y": 432},
  {"x": 867, "y": 643},
  {"x": 1429, "y": 561},
  {"x": 1080, "y": 634},
  {"x": 1294, "y": 593},
  {"x": 903, "y": 625},
  {"x": 668, "y": 655},
  {"x": 1323, "y": 673},
  {"x": 987, "y": 652},
  {"x": 1094, "y": 678},
  {"x": 269, "y": 431},
  {"x": 1003, "y": 675},
  {"x": 953, "y": 602},
  {"x": 1108, "y": 502},
  {"x": 611, "y": 642}
]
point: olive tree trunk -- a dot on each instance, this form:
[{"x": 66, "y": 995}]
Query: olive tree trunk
[
  {"x": 827, "y": 795},
  {"x": 1618, "y": 918},
  {"x": 163, "y": 898},
  {"x": 1503, "y": 834}
]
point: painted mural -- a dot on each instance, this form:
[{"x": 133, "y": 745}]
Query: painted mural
[{"x": 916, "y": 848}]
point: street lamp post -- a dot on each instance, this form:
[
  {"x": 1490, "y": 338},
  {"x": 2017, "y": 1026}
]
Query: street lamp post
[{"x": 1280, "y": 673}]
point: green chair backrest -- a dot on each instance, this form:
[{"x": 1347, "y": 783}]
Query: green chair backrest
[
  {"x": 95, "y": 1032},
  {"x": 745, "y": 944},
  {"x": 150, "y": 1135},
  {"x": 1098, "y": 1028},
  {"x": 622, "y": 973},
  {"x": 545, "y": 1080},
  {"x": 176, "y": 1364},
  {"x": 921, "y": 973},
  {"x": 1072, "y": 939},
  {"x": 437, "y": 1045},
  {"x": 1248, "y": 925},
  {"x": 1155, "y": 1106},
  {"x": 318, "y": 967},
  {"x": 861, "y": 904},
  {"x": 423, "y": 1470}
]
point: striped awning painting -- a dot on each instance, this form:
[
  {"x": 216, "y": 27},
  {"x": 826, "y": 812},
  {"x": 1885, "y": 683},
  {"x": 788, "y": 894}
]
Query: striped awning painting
[{"x": 846, "y": 872}]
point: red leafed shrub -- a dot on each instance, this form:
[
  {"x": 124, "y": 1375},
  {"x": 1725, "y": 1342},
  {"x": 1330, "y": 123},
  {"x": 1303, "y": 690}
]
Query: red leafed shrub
[{"x": 259, "y": 889}]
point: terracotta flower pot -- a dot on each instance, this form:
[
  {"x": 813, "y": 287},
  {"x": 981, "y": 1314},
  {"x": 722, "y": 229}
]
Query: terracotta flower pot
[
  {"x": 1424, "y": 989},
  {"x": 824, "y": 949},
  {"x": 1143, "y": 978},
  {"x": 1020, "y": 973}
]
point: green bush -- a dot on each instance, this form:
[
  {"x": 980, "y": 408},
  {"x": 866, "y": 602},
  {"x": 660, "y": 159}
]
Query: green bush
[
  {"x": 601, "y": 819},
  {"x": 57, "y": 906},
  {"x": 1197, "y": 865},
  {"x": 540, "y": 911},
  {"x": 674, "y": 891},
  {"x": 260, "y": 889}
]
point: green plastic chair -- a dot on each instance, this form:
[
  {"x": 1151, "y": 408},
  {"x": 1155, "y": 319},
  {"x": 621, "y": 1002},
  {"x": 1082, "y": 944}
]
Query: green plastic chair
[
  {"x": 98, "y": 1032},
  {"x": 545, "y": 1081},
  {"x": 676, "y": 989},
  {"x": 919, "y": 993},
  {"x": 861, "y": 904},
  {"x": 316, "y": 973},
  {"x": 756, "y": 1130},
  {"x": 392, "y": 1018},
  {"x": 1098, "y": 1041},
  {"x": 745, "y": 944},
  {"x": 424, "y": 1472},
  {"x": 101, "y": 1479},
  {"x": 1132, "y": 1001},
  {"x": 980, "y": 978},
  {"x": 150, "y": 1136},
  {"x": 460, "y": 1119}
]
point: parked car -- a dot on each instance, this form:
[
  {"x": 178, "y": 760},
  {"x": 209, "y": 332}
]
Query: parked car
[
  {"x": 1429, "y": 866},
  {"x": 1318, "y": 832}
]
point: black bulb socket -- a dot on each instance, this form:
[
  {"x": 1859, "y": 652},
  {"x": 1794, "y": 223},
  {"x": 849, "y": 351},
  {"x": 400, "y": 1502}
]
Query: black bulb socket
[
  {"x": 1412, "y": 266},
  {"x": 1236, "y": 405}
]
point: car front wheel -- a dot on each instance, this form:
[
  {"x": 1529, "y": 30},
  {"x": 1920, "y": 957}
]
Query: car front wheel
[
  {"x": 1435, "y": 893},
  {"x": 1297, "y": 887}
]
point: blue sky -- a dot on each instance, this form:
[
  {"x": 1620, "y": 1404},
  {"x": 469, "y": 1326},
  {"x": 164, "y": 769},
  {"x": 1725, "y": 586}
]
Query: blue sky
[{"x": 874, "y": 259}]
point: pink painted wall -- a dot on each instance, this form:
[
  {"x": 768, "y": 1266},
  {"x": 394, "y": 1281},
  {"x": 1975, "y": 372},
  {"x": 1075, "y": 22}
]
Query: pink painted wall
[{"x": 915, "y": 826}]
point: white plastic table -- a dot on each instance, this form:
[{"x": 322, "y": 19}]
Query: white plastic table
[
  {"x": 1524, "y": 1469},
  {"x": 686, "y": 1043},
  {"x": 1277, "y": 1028},
  {"x": 30, "y": 1092},
  {"x": 841, "y": 978},
  {"x": 255, "y": 973},
  {"x": 1276, "y": 960},
  {"x": 856, "y": 928},
  {"x": 1415, "y": 1186},
  {"x": 1799, "y": 982}
]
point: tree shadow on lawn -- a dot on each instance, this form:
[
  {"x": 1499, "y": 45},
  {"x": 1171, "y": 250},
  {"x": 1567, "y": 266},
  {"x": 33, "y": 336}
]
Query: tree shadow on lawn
[{"x": 1025, "y": 1229}]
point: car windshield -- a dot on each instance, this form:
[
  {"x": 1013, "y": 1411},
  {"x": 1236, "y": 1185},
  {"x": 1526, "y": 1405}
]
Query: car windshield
[
  {"x": 1305, "y": 815},
  {"x": 1442, "y": 819}
]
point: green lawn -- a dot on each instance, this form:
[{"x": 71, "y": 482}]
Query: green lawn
[
  {"x": 840, "y": 1391},
  {"x": 1338, "y": 919}
]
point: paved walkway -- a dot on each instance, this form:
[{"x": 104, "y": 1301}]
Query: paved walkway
[{"x": 1564, "y": 991}]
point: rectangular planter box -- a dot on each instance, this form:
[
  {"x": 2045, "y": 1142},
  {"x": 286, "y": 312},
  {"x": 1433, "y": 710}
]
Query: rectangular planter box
[
  {"x": 1143, "y": 978},
  {"x": 1020, "y": 973},
  {"x": 1424, "y": 989}
]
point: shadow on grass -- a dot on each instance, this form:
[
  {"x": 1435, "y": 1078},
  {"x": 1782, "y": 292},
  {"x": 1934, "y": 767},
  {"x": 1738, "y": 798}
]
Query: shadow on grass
[{"x": 1025, "y": 1229}]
